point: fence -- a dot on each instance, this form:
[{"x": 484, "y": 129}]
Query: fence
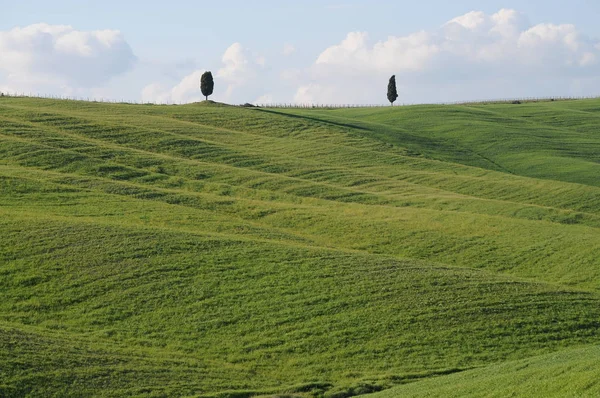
[
  {"x": 471, "y": 102},
  {"x": 319, "y": 106},
  {"x": 303, "y": 106}
]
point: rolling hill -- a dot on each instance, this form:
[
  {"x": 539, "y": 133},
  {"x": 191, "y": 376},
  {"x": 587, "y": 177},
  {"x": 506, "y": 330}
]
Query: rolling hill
[
  {"x": 570, "y": 373},
  {"x": 212, "y": 250}
]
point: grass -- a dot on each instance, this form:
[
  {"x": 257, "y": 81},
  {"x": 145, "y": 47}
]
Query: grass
[
  {"x": 571, "y": 373},
  {"x": 549, "y": 140},
  {"x": 223, "y": 251}
]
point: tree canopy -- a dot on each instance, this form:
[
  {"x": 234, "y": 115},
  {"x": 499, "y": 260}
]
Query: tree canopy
[
  {"x": 392, "y": 94},
  {"x": 207, "y": 84}
]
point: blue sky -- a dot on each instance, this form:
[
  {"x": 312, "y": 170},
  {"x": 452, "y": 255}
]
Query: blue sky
[{"x": 300, "y": 51}]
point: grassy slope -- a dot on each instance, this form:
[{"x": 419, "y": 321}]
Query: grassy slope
[
  {"x": 550, "y": 140},
  {"x": 240, "y": 249},
  {"x": 572, "y": 373}
]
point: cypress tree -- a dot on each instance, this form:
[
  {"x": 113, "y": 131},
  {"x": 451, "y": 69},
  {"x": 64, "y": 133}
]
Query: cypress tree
[
  {"x": 207, "y": 84},
  {"x": 392, "y": 94}
]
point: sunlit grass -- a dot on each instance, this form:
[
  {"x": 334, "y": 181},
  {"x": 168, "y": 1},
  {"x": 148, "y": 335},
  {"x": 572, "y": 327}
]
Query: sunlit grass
[
  {"x": 191, "y": 250},
  {"x": 570, "y": 373}
]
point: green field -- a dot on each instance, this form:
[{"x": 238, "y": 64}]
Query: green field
[
  {"x": 572, "y": 373},
  {"x": 211, "y": 250}
]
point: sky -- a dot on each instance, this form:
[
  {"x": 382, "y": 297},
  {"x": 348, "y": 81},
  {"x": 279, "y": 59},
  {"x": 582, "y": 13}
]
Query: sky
[{"x": 311, "y": 52}]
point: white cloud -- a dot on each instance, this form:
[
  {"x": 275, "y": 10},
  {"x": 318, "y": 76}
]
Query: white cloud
[
  {"x": 473, "y": 56},
  {"x": 472, "y": 37},
  {"x": 317, "y": 93},
  {"x": 291, "y": 75},
  {"x": 236, "y": 64},
  {"x": 187, "y": 90},
  {"x": 260, "y": 60},
  {"x": 239, "y": 71},
  {"x": 263, "y": 100},
  {"x": 473, "y": 50},
  {"x": 471, "y": 20},
  {"x": 288, "y": 49},
  {"x": 559, "y": 44},
  {"x": 60, "y": 58},
  {"x": 156, "y": 92},
  {"x": 397, "y": 53}
]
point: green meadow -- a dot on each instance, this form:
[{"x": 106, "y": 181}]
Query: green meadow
[
  {"x": 218, "y": 251},
  {"x": 570, "y": 373}
]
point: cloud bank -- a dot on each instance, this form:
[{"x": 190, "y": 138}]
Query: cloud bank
[
  {"x": 61, "y": 57},
  {"x": 472, "y": 56},
  {"x": 239, "y": 71}
]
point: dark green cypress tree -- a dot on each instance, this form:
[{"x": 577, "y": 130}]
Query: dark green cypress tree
[
  {"x": 207, "y": 84},
  {"x": 392, "y": 94}
]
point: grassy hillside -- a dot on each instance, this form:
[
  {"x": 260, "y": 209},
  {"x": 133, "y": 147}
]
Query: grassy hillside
[
  {"x": 199, "y": 249},
  {"x": 550, "y": 140},
  {"x": 572, "y": 373}
]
